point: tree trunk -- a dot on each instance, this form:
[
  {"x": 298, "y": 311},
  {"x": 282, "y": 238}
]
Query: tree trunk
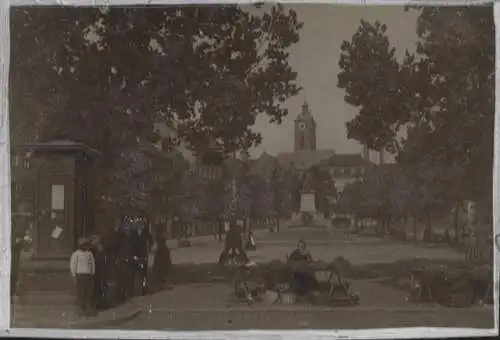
[
  {"x": 406, "y": 221},
  {"x": 415, "y": 227},
  {"x": 428, "y": 227},
  {"x": 456, "y": 216}
]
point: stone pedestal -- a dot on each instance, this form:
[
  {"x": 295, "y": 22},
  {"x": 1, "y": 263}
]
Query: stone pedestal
[
  {"x": 308, "y": 206},
  {"x": 308, "y": 202}
]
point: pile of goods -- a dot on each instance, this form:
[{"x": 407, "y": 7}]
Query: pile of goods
[
  {"x": 316, "y": 283},
  {"x": 453, "y": 286}
]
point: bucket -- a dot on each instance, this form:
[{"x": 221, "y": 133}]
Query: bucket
[
  {"x": 288, "y": 298},
  {"x": 322, "y": 275}
]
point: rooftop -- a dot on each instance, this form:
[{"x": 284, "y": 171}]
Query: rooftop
[
  {"x": 59, "y": 145},
  {"x": 303, "y": 159},
  {"x": 345, "y": 160}
]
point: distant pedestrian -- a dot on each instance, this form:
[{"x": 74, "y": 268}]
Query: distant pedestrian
[
  {"x": 250, "y": 242},
  {"x": 234, "y": 243},
  {"x": 220, "y": 229},
  {"x": 82, "y": 267},
  {"x": 142, "y": 244}
]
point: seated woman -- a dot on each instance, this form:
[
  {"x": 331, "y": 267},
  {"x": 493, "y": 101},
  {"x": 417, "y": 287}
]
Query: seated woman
[
  {"x": 301, "y": 253},
  {"x": 303, "y": 282}
]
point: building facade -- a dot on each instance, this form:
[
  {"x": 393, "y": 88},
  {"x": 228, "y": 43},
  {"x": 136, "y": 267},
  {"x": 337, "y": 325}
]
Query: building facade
[
  {"x": 343, "y": 168},
  {"x": 305, "y": 153}
]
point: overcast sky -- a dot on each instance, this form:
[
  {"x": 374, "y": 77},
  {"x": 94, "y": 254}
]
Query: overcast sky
[{"x": 315, "y": 57}]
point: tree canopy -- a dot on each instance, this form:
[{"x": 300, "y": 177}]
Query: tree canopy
[
  {"x": 108, "y": 76},
  {"x": 441, "y": 96}
]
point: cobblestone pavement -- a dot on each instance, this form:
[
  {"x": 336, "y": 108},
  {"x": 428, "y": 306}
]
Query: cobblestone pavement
[
  {"x": 202, "y": 296},
  {"x": 210, "y": 306},
  {"x": 341, "y": 318},
  {"x": 65, "y": 316}
]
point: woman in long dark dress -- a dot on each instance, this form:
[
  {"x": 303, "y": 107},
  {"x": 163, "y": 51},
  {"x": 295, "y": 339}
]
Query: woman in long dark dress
[
  {"x": 162, "y": 261},
  {"x": 233, "y": 247}
]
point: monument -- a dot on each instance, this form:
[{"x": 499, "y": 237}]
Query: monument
[{"x": 307, "y": 215}]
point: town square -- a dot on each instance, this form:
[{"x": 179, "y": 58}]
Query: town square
[{"x": 252, "y": 166}]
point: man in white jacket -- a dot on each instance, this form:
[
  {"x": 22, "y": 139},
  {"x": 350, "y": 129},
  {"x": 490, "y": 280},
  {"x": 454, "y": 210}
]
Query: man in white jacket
[{"x": 82, "y": 267}]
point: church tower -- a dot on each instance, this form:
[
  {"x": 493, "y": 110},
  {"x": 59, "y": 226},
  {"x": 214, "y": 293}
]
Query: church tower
[{"x": 305, "y": 130}]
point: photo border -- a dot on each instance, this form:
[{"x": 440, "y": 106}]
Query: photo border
[{"x": 5, "y": 202}]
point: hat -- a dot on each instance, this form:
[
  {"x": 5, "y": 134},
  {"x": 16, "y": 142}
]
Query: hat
[{"x": 82, "y": 241}]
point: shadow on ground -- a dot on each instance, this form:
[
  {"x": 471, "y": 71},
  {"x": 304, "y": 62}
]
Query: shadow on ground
[{"x": 214, "y": 273}]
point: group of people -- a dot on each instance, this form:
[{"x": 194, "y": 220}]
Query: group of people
[
  {"x": 123, "y": 258},
  {"x": 249, "y": 285}
]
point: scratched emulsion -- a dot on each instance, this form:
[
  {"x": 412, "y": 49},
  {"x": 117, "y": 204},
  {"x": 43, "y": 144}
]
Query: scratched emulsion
[{"x": 300, "y": 167}]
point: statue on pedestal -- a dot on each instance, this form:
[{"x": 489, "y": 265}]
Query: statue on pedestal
[{"x": 308, "y": 182}]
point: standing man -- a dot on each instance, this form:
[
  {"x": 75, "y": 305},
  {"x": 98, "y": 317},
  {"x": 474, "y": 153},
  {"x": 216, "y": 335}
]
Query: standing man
[{"x": 473, "y": 251}]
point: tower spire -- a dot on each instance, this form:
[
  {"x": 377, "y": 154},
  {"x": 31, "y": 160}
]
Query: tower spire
[{"x": 305, "y": 109}]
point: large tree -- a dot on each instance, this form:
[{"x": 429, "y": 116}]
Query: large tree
[
  {"x": 107, "y": 76},
  {"x": 113, "y": 72},
  {"x": 443, "y": 95},
  {"x": 370, "y": 75}
]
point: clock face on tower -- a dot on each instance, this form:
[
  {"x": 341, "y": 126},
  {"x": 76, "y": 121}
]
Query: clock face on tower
[{"x": 302, "y": 126}]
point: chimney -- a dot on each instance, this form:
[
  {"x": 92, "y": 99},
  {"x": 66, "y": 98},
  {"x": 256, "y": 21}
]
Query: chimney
[
  {"x": 381, "y": 156},
  {"x": 366, "y": 153}
]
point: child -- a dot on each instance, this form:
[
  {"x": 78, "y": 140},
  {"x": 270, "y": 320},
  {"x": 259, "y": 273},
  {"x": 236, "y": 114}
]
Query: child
[{"x": 82, "y": 267}]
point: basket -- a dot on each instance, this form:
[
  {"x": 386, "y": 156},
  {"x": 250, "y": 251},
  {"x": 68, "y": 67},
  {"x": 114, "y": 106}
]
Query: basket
[
  {"x": 322, "y": 275},
  {"x": 288, "y": 298},
  {"x": 270, "y": 296}
]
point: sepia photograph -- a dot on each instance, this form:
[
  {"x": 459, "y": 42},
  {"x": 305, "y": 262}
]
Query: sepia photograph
[{"x": 259, "y": 166}]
